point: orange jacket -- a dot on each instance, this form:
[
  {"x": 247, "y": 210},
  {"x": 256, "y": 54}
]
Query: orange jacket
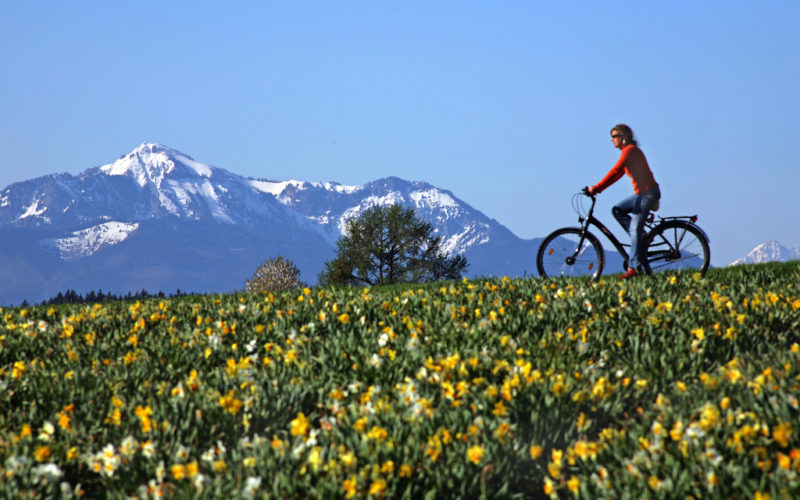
[{"x": 633, "y": 163}]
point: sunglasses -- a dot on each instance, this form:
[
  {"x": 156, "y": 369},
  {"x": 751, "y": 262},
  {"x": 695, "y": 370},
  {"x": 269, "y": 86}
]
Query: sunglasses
[{"x": 616, "y": 136}]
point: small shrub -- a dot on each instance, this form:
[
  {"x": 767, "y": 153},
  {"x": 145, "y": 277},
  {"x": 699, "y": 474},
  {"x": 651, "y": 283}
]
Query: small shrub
[{"x": 274, "y": 275}]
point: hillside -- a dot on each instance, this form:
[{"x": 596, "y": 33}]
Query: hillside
[{"x": 671, "y": 386}]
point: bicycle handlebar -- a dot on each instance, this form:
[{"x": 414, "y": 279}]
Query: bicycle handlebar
[{"x": 585, "y": 192}]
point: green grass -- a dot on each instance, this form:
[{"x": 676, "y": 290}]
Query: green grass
[{"x": 670, "y": 386}]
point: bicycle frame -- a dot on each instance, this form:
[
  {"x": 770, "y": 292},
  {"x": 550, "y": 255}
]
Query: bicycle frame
[
  {"x": 591, "y": 219},
  {"x": 650, "y": 225}
]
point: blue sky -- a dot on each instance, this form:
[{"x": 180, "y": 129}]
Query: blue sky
[{"x": 506, "y": 104}]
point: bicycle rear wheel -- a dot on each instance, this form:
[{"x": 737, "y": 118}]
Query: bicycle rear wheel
[
  {"x": 564, "y": 253},
  {"x": 676, "y": 245}
]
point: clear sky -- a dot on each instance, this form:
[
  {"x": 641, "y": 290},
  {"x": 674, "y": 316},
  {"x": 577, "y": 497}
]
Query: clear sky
[{"x": 507, "y": 104}]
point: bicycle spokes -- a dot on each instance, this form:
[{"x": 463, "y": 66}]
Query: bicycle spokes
[
  {"x": 570, "y": 252},
  {"x": 677, "y": 245}
]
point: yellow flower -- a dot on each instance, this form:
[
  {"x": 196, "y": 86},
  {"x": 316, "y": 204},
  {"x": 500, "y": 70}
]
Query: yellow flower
[
  {"x": 548, "y": 486},
  {"x": 144, "y": 412},
  {"x": 559, "y": 387},
  {"x": 475, "y": 454},
  {"x": 230, "y": 403},
  {"x": 360, "y": 424},
  {"x": 349, "y": 485},
  {"x": 378, "y": 487},
  {"x": 677, "y": 431},
  {"x": 503, "y": 430},
  {"x": 315, "y": 457},
  {"x": 42, "y": 453},
  {"x": 535, "y": 451},
  {"x": 761, "y": 496},
  {"x": 64, "y": 421},
  {"x": 347, "y": 458},
  {"x": 377, "y": 433},
  {"x": 344, "y": 318},
  {"x": 709, "y": 417},
  {"x": 178, "y": 471},
  {"x": 584, "y": 450},
  {"x": 300, "y": 425},
  {"x": 573, "y": 484},
  {"x": 782, "y": 433},
  {"x": 500, "y": 409},
  {"x": 18, "y": 369}
]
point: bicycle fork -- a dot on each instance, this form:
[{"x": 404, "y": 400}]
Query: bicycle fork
[{"x": 579, "y": 249}]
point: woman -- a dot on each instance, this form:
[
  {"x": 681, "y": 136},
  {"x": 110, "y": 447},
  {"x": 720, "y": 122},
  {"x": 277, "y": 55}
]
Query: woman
[{"x": 631, "y": 212}]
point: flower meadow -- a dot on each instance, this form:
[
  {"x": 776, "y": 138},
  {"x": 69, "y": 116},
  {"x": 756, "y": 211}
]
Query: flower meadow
[{"x": 673, "y": 386}]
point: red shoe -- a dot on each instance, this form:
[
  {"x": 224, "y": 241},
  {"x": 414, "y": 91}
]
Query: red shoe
[{"x": 631, "y": 272}]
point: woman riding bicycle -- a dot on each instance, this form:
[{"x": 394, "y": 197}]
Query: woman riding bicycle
[{"x": 631, "y": 212}]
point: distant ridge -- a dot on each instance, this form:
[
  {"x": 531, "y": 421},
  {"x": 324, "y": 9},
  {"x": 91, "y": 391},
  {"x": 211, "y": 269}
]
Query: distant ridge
[{"x": 770, "y": 251}]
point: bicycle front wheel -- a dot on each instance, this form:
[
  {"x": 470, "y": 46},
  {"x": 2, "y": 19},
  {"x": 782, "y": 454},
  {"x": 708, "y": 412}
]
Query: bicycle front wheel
[
  {"x": 676, "y": 246},
  {"x": 565, "y": 253}
]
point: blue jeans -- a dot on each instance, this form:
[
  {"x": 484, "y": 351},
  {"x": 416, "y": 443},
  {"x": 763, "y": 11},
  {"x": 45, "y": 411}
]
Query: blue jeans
[{"x": 631, "y": 213}]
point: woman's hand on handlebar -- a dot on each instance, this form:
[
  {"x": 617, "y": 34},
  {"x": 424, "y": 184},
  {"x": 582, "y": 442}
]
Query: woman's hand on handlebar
[{"x": 589, "y": 191}]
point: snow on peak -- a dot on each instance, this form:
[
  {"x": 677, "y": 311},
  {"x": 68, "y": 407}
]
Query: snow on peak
[
  {"x": 276, "y": 188},
  {"x": 433, "y": 197},
  {"x": 769, "y": 252},
  {"x": 151, "y": 162}
]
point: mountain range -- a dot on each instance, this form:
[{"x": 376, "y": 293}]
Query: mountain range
[
  {"x": 768, "y": 252},
  {"x": 157, "y": 220}
]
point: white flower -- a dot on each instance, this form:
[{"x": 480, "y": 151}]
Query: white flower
[
  {"x": 182, "y": 454},
  {"x": 128, "y": 446},
  {"x": 15, "y": 464},
  {"x": 47, "y": 431},
  {"x": 110, "y": 466},
  {"x": 161, "y": 471},
  {"x": 48, "y": 472},
  {"x": 383, "y": 340},
  {"x": 208, "y": 455},
  {"x": 252, "y": 486},
  {"x": 375, "y": 360},
  {"x": 148, "y": 449},
  {"x": 199, "y": 482}
]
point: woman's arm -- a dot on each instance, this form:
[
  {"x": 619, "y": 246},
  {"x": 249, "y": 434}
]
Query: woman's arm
[{"x": 613, "y": 175}]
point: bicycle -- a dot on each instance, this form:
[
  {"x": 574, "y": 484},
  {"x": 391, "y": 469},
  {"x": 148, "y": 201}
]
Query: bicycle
[{"x": 671, "y": 243}]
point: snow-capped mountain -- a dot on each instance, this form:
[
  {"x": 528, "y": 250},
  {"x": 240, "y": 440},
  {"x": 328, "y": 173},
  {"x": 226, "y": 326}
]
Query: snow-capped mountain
[
  {"x": 156, "y": 219},
  {"x": 769, "y": 252}
]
